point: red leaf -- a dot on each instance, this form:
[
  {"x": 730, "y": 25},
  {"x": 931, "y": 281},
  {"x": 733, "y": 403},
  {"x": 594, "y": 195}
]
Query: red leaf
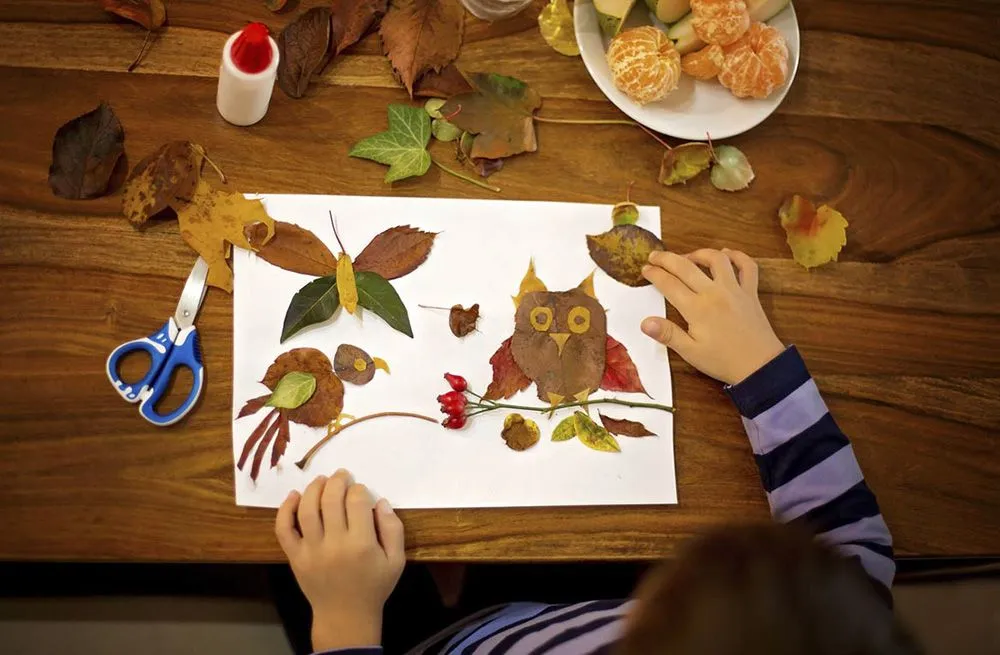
[
  {"x": 508, "y": 378},
  {"x": 264, "y": 443},
  {"x": 620, "y": 373},
  {"x": 253, "y": 405},
  {"x": 254, "y": 438},
  {"x": 284, "y": 436}
]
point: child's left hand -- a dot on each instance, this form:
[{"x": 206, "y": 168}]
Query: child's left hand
[{"x": 347, "y": 555}]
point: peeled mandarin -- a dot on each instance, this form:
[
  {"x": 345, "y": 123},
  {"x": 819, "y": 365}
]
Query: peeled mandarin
[
  {"x": 704, "y": 64},
  {"x": 757, "y": 64},
  {"x": 720, "y": 22},
  {"x": 644, "y": 64}
]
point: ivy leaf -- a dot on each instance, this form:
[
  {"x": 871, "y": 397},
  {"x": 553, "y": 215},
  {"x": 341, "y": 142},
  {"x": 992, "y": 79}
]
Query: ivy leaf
[
  {"x": 303, "y": 50},
  {"x": 624, "y": 427},
  {"x": 620, "y": 373},
  {"x": 87, "y": 152},
  {"x": 420, "y": 36},
  {"x": 500, "y": 112},
  {"x": 508, "y": 378},
  {"x": 566, "y": 429},
  {"x": 376, "y": 294},
  {"x": 732, "y": 170},
  {"x": 296, "y": 249},
  {"x": 815, "y": 236},
  {"x": 351, "y": 19},
  {"x": 462, "y": 321},
  {"x": 519, "y": 433},
  {"x": 293, "y": 390},
  {"x": 313, "y": 303},
  {"x": 395, "y": 252},
  {"x": 684, "y": 162},
  {"x": 622, "y": 251},
  {"x": 168, "y": 176},
  {"x": 403, "y": 146},
  {"x": 594, "y": 436}
]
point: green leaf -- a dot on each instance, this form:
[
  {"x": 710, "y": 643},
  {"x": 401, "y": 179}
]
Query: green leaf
[
  {"x": 566, "y": 429},
  {"x": 444, "y": 131},
  {"x": 313, "y": 303},
  {"x": 375, "y": 293},
  {"x": 594, "y": 436},
  {"x": 293, "y": 390},
  {"x": 433, "y": 107},
  {"x": 403, "y": 146},
  {"x": 732, "y": 170}
]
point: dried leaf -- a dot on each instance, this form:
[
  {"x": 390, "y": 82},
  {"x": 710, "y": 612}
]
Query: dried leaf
[
  {"x": 483, "y": 167},
  {"x": 303, "y": 50},
  {"x": 351, "y": 20},
  {"x": 395, "y": 252},
  {"x": 313, "y": 303},
  {"x": 815, "y": 236},
  {"x": 556, "y": 25},
  {"x": 293, "y": 390},
  {"x": 86, "y": 153},
  {"x": 213, "y": 221},
  {"x": 420, "y": 36},
  {"x": 732, "y": 170},
  {"x": 624, "y": 427},
  {"x": 376, "y": 294},
  {"x": 275, "y": 6},
  {"x": 281, "y": 440},
  {"x": 566, "y": 429},
  {"x": 254, "y": 437},
  {"x": 684, "y": 162},
  {"x": 529, "y": 284},
  {"x": 500, "y": 113},
  {"x": 620, "y": 373},
  {"x": 594, "y": 436},
  {"x": 519, "y": 433},
  {"x": 353, "y": 365},
  {"x": 444, "y": 84},
  {"x": 326, "y": 402},
  {"x": 168, "y": 176},
  {"x": 403, "y": 147},
  {"x": 296, "y": 249},
  {"x": 622, "y": 251},
  {"x": 347, "y": 283},
  {"x": 627, "y": 212},
  {"x": 253, "y": 405},
  {"x": 258, "y": 456},
  {"x": 508, "y": 378},
  {"x": 463, "y": 321},
  {"x": 150, "y": 14}
]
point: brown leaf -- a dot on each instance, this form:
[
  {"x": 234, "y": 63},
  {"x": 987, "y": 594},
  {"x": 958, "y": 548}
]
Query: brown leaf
[
  {"x": 258, "y": 456},
  {"x": 151, "y": 14},
  {"x": 445, "y": 83},
  {"x": 508, "y": 378},
  {"x": 500, "y": 112},
  {"x": 519, "y": 433},
  {"x": 351, "y": 364},
  {"x": 395, "y": 252},
  {"x": 326, "y": 402},
  {"x": 169, "y": 174},
  {"x": 483, "y": 167},
  {"x": 254, "y": 438},
  {"x": 351, "y": 20},
  {"x": 85, "y": 154},
  {"x": 303, "y": 50},
  {"x": 275, "y": 5},
  {"x": 253, "y": 405},
  {"x": 620, "y": 373},
  {"x": 463, "y": 321},
  {"x": 295, "y": 249},
  {"x": 281, "y": 442},
  {"x": 622, "y": 251},
  {"x": 421, "y": 35},
  {"x": 624, "y": 427}
]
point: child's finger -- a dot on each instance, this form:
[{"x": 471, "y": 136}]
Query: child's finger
[
  {"x": 390, "y": 533},
  {"x": 360, "y": 503},
  {"x": 334, "y": 514},
  {"x": 675, "y": 291},
  {"x": 284, "y": 524},
  {"x": 669, "y": 334},
  {"x": 310, "y": 521},
  {"x": 682, "y": 268},
  {"x": 747, "y": 267},
  {"x": 717, "y": 262}
]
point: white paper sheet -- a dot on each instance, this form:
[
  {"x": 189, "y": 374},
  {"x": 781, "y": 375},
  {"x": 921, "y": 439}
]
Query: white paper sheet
[{"x": 480, "y": 255}]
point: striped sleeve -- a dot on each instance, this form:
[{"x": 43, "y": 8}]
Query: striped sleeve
[
  {"x": 808, "y": 467},
  {"x": 367, "y": 650}
]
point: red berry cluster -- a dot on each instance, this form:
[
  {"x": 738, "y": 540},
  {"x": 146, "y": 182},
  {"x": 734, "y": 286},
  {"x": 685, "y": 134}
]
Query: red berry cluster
[{"x": 454, "y": 402}]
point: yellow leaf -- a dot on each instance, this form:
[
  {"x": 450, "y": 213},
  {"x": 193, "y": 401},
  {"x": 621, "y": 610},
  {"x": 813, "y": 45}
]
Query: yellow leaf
[
  {"x": 556, "y": 25},
  {"x": 519, "y": 433},
  {"x": 594, "y": 436},
  {"x": 529, "y": 284},
  {"x": 380, "y": 363},
  {"x": 815, "y": 236},
  {"x": 214, "y": 221},
  {"x": 346, "y": 285}
]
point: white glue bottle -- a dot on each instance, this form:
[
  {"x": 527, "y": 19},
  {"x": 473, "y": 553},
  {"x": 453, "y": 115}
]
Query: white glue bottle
[{"x": 246, "y": 75}]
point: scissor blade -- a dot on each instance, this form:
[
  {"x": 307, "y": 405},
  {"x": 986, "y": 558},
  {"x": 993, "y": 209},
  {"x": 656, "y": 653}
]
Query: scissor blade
[{"x": 193, "y": 294}]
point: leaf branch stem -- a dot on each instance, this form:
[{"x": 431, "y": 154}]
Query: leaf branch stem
[
  {"x": 201, "y": 151},
  {"x": 552, "y": 408},
  {"x": 334, "y": 431},
  {"x": 142, "y": 51},
  {"x": 461, "y": 176},
  {"x": 587, "y": 121}
]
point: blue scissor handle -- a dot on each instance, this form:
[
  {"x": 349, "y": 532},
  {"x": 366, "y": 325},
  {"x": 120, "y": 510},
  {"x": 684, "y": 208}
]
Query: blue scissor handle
[
  {"x": 185, "y": 353},
  {"x": 158, "y": 346}
]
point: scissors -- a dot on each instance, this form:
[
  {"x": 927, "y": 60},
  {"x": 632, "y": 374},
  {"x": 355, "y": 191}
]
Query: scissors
[{"x": 174, "y": 346}]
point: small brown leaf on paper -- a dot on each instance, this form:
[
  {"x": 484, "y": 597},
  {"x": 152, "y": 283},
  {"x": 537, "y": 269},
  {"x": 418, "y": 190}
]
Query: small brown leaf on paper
[
  {"x": 508, "y": 378},
  {"x": 295, "y": 249},
  {"x": 304, "y": 50},
  {"x": 351, "y": 20},
  {"x": 86, "y": 153},
  {"x": 463, "y": 321},
  {"x": 150, "y": 14},
  {"x": 395, "y": 252},
  {"x": 169, "y": 174},
  {"x": 351, "y": 364},
  {"x": 519, "y": 433},
  {"x": 622, "y": 251},
  {"x": 624, "y": 427},
  {"x": 421, "y": 35},
  {"x": 444, "y": 84},
  {"x": 326, "y": 402},
  {"x": 253, "y": 405}
]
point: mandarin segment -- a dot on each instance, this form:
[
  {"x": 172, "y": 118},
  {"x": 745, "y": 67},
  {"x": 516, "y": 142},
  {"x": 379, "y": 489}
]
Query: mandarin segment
[
  {"x": 757, "y": 64},
  {"x": 704, "y": 64},
  {"x": 720, "y": 22},
  {"x": 644, "y": 64}
]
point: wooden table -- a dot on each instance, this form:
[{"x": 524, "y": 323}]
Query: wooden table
[{"x": 893, "y": 118}]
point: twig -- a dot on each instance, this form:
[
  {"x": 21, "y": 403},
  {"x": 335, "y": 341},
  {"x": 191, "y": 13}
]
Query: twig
[
  {"x": 142, "y": 51},
  {"x": 488, "y": 187},
  {"x": 331, "y": 433},
  {"x": 582, "y": 403},
  {"x": 446, "y": 309},
  {"x": 587, "y": 121}
]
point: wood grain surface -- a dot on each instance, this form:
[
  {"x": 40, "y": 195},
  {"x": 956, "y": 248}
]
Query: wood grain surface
[{"x": 894, "y": 119}]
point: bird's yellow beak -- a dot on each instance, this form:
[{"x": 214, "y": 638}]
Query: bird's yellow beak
[{"x": 560, "y": 339}]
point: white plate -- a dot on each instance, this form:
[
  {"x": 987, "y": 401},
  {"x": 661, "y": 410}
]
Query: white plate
[{"x": 695, "y": 108}]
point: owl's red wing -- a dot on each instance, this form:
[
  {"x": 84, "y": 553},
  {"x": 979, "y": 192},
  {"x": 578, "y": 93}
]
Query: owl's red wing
[
  {"x": 508, "y": 378},
  {"x": 620, "y": 373}
]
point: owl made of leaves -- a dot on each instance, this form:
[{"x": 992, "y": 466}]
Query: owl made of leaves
[{"x": 560, "y": 339}]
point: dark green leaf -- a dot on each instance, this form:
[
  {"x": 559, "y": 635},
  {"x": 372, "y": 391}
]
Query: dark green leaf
[
  {"x": 376, "y": 294},
  {"x": 314, "y": 303}
]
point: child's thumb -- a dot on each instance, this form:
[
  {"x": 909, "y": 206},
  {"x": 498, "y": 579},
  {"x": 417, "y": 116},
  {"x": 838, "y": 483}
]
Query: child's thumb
[
  {"x": 390, "y": 533},
  {"x": 669, "y": 334}
]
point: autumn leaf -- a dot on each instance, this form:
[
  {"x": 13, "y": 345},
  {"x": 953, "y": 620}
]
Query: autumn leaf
[
  {"x": 484, "y": 167},
  {"x": 167, "y": 176},
  {"x": 519, "y": 433},
  {"x": 255, "y": 438},
  {"x": 354, "y": 365},
  {"x": 622, "y": 251},
  {"x": 351, "y": 20},
  {"x": 281, "y": 439},
  {"x": 275, "y": 6},
  {"x": 150, "y": 14},
  {"x": 403, "y": 147},
  {"x": 258, "y": 456},
  {"x": 463, "y": 321},
  {"x": 395, "y": 252},
  {"x": 303, "y": 48},
  {"x": 253, "y": 405},
  {"x": 500, "y": 112},
  {"x": 377, "y": 295},
  {"x": 293, "y": 390},
  {"x": 420, "y": 36},
  {"x": 684, "y": 162},
  {"x": 566, "y": 429},
  {"x": 529, "y": 284},
  {"x": 594, "y": 436},
  {"x": 624, "y": 427},
  {"x": 508, "y": 378},
  {"x": 346, "y": 283},
  {"x": 313, "y": 303},
  {"x": 555, "y": 22},
  {"x": 444, "y": 131},
  {"x": 214, "y": 221},
  {"x": 620, "y": 373},
  {"x": 327, "y": 401},
  {"x": 296, "y": 249},
  {"x": 815, "y": 236},
  {"x": 732, "y": 170},
  {"x": 87, "y": 152},
  {"x": 445, "y": 83},
  {"x": 626, "y": 212}
]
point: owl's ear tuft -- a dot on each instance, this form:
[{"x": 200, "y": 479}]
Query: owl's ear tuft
[
  {"x": 587, "y": 286},
  {"x": 529, "y": 284}
]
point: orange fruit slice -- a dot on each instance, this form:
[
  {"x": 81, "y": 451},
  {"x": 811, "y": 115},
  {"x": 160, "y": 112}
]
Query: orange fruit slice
[
  {"x": 720, "y": 22},
  {"x": 704, "y": 64},
  {"x": 644, "y": 64},
  {"x": 757, "y": 64}
]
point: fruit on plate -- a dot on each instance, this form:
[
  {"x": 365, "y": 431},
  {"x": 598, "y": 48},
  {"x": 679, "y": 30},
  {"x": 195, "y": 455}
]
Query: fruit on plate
[
  {"x": 669, "y": 11},
  {"x": 611, "y": 14},
  {"x": 704, "y": 64},
  {"x": 757, "y": 64},
  {"x": 764, "y": 10},
  {"x": 720, "y": 22},
  {"x": 644, "y": 64},
  {"x": 685, "y": 40}
]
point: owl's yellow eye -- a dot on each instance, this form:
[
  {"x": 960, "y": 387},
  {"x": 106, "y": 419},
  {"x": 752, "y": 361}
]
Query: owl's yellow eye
[
  {"x": 579, "y": 320},
  {"x": 541, "y": 318}
]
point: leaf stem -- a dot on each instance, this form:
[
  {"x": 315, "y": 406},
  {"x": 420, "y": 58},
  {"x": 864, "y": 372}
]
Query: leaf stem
[
  {"x": 333, "y": 224},
  {"x": 484, "y": 185},
  {"x": 445, "y": 309},
  {"x": 142, "y": 51},
  {"x": 332, "y": 432},
  {"x": 581, "y": 403},
  {"x": 587, "y": 121},
  {"x": 201, "y": 151}
]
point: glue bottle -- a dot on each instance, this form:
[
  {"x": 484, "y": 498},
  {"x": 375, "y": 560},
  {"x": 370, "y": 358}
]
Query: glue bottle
[{"x": 246, "y": 75}]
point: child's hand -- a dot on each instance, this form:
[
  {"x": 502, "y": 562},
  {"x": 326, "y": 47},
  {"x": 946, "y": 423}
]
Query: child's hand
[
  {"x": 728, "y": 335},
  {"x": 347, "y": 555}
]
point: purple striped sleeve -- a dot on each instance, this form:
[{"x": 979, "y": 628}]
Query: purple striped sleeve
[{"x": 367, "y": 650}]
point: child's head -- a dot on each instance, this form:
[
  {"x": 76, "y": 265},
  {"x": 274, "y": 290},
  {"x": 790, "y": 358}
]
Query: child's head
[{"x": 767, "y": 590}]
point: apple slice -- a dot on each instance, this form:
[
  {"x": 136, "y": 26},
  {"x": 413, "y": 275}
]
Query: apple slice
[
  {"x": 669, "y": 11},
  {"x": 611, "y": 15}
]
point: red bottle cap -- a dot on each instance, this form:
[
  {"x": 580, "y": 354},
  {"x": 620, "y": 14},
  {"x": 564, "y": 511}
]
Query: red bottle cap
[{"x": 251, "y": 50}]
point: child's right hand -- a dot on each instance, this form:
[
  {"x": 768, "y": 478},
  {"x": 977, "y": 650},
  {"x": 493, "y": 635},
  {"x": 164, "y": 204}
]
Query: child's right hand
[{"x": 728, "y": 335}]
